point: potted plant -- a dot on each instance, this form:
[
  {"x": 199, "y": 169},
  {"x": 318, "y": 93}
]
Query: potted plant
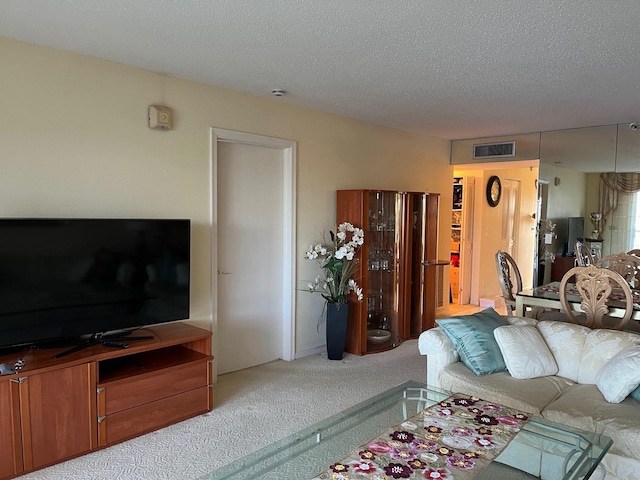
[{"x": 337, "y": 261}]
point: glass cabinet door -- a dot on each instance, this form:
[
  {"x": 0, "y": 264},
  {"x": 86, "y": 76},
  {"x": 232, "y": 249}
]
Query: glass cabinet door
[
  {"x": 416, "y": 233},
  {"x": 383, "y": 233}
]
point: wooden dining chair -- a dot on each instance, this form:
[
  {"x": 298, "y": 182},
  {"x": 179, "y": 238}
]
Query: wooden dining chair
[
  {"x": 510, "y": 279},
  {"x": 511, "y": 283},
  {"x": 626, "y": 265},
  {"x": 636, "y": 253},
  {"x": 595, "y": 285},
  {"x": 583, "y": 255}
]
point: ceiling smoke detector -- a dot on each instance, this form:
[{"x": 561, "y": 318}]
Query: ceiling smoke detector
[{"x": 277, "y": 92}]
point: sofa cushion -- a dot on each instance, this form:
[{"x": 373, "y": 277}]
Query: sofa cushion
[
  {"x": 528, "y": 395},
  {"x": 565, "y": 340},
  {"x": 599, "y": 347},
  {"x": 620, "y": 375},
  {"x": 525, "y": 352},
  {"x": 472, "y": 335},
  {"x": 584, "y": 407}
]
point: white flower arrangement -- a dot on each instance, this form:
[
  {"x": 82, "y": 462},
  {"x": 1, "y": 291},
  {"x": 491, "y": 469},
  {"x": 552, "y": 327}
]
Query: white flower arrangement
[{"x": 338, "y": 262}]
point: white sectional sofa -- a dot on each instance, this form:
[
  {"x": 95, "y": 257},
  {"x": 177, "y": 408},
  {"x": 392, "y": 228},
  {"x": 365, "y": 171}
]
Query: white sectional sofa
[{"x": 563, "y": 372}]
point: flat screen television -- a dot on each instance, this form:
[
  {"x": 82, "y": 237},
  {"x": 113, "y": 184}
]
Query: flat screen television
[{"x": 71, "y": 278}]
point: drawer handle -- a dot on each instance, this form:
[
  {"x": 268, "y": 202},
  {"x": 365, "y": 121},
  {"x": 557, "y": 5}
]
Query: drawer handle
[{"x": 101, "y": 419}]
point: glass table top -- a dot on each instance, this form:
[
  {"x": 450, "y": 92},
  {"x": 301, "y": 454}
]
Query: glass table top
[
  {"x": 542, "y": 449},
  {"x": 550, "y": 291},
  {"x": 547, "y": 296}
]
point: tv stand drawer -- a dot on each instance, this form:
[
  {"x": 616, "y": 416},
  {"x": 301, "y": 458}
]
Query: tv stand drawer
[
  {"x": 153, "y": 386},
  {"x": 136, "y": 421}
]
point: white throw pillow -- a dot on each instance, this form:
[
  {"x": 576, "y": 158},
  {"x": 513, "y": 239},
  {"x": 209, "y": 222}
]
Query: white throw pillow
[
  {"x": 566, "y": 341},
  {"x": 620, "y": 375},
  {"x": 600, "y": 346},
  {"x": 525, "y": 352}
]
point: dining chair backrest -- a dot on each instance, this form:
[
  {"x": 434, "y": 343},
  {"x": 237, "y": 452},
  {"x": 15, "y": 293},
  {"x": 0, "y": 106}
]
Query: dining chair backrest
[
  {"x": 510, "y": 279},
  {"x": 626, "y": 265},
  {"x": 636, "y": 253},
  {"x": 583, "y": 255},
  {"x": 595, "y": 285}
]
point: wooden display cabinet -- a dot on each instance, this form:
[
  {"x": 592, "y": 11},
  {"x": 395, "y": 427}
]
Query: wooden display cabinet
[
  {"x": 57, "y": 409},
  {"x": 396, "y": 266},
  {"x": 560, "y": 266}
]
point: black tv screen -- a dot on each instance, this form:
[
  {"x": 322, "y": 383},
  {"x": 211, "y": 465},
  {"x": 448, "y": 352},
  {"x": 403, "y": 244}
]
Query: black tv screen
[{"x": 65, "y": 278}]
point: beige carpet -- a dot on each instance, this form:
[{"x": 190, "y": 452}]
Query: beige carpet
[{"x": 253, "y": 408}]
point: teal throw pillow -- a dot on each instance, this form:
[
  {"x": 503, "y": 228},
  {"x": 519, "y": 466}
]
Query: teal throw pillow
[
  {"x": 472, "y": 335},
  {"x": 635, "y": 394}
]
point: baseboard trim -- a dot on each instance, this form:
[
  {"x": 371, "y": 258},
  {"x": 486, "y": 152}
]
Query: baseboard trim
[{"x": 311, "y": 351}]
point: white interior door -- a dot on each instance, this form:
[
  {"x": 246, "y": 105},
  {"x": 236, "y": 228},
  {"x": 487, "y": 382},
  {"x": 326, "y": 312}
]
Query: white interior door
[
  {"x": 250, "y": 282},
  {"x": 510, "y": 214}
]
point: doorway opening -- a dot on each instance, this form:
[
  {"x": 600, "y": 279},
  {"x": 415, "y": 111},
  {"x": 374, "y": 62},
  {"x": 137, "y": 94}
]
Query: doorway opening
[
  {"x": 480, "y": 227},
  {"x": 253, "y": 249}
]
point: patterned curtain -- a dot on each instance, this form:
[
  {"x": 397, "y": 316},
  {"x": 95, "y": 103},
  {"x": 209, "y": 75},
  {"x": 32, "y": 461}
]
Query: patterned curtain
[{"x": 612, "y": 184}]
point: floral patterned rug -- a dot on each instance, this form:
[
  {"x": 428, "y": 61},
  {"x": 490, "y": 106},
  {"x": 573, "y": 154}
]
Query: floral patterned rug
[{"x": 451, "y": 440}]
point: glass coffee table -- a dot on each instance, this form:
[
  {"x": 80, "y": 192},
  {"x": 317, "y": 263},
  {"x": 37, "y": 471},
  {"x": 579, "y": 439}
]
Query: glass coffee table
[{"x": 542, "y": 449}]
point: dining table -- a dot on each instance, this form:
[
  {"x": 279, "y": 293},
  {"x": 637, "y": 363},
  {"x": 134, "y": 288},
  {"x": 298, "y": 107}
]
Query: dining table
[{"x": 548, "y": 296}]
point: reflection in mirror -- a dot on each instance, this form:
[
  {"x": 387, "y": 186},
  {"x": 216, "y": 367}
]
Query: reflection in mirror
[
  {"x": 571, "y": 164},
  {"x": 573, "y": 161},
  {"x": 589, "y": 149},
  {"x": 618, "y": 206},
  {"x": 628, "y": 148}
]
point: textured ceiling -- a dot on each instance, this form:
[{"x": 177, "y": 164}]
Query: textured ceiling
[{"x": 448, "y": 68}]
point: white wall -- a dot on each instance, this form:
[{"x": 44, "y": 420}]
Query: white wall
[{"x": 75, "y": 142}]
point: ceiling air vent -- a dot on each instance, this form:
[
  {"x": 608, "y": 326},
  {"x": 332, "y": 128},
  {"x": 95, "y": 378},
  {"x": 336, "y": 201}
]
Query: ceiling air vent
[{"x": 489, "y": 150}]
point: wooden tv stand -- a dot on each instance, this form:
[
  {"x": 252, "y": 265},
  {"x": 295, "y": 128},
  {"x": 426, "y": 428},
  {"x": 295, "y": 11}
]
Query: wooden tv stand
[{"x": 57, "y": 409}]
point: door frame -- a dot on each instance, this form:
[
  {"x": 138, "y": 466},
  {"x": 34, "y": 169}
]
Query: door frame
[
  {"x": 288, "y": 148},
  {"x": 541, "y": 214},
  {"x": 467, "y": 238}
]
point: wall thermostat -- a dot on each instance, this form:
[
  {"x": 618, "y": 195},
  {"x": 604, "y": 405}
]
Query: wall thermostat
[{"x": 160, "y": 118}]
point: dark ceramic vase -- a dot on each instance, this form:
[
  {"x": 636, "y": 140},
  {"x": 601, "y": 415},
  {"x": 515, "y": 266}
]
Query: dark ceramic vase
[{"x": 337, "y": 314}]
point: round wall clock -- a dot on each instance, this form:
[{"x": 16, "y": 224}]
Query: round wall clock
[{"x": 494, "y": 190}]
